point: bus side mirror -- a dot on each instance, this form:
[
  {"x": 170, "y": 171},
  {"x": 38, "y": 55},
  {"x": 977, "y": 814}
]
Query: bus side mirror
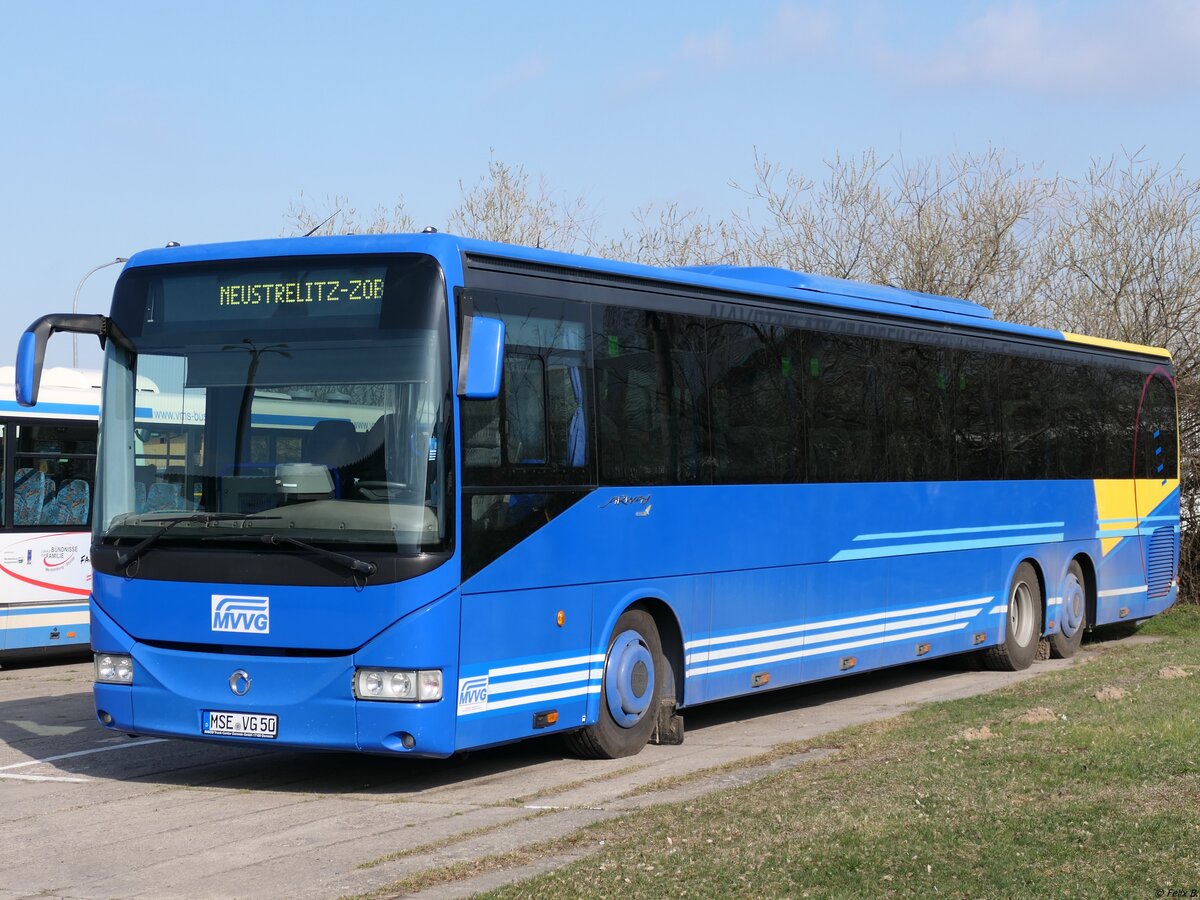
[
  {"x": 31, "y": 350},
  {"x": 481, "y": 360}
]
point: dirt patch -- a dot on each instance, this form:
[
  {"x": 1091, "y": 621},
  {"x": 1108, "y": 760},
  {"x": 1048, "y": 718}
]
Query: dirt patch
[
  {"x": 1037, "y": 715},
  {"x": 977, "y": 734},
  {"x": 1173, "y": 672},
  {"x": 1109, "y": 693}
]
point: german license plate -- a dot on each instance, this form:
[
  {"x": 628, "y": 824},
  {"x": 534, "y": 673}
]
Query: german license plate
[{"x": 237, "y": 724}]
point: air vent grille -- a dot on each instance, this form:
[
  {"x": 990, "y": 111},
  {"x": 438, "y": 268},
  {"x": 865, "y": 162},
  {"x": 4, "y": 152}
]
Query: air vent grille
[{"x": 1160, "y": 561}]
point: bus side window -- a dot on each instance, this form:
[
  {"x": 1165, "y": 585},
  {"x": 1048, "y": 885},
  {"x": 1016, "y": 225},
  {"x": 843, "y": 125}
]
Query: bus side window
[
  {"x": 481, "y": 433},
  {"x": 55, "y": 470},
  {"x": 1080, "y": 446},
  {"x": 1157, "y": 443},
  {"x": 650, "y": 372},
  {"x": 525, "y": 410},
  {"x": 535, "y": 435},
  {"x": 1119, "y": 393},
  {"x": 917, "y": 410},
  {"x": 756, "y": 404},
  {"x": 537, "y": 431},
  {"x": 1021, "y": 417},
  {"x": 845, "y": 437}
]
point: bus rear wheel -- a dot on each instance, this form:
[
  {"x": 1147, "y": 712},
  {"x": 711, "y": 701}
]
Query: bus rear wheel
[
  {"x": 630, "y": 692},
  {"x": 1072, "y": 617},
  {"x": 1023, "y": 624}
]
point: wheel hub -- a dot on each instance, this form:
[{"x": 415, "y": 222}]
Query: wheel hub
[
  {"x": 1020, "y": 614},
  {"x": 628, "y": 679},
  {"x": 1074, "y": 605}
]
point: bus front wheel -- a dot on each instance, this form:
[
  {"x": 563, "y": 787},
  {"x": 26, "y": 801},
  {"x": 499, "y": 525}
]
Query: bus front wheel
[
  {"x": 630, "y": 692},
  {"x": 1023, "y": 624}
]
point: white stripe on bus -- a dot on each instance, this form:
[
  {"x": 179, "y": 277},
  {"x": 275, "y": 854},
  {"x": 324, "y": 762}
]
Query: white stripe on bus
[
  {"x": 830, "y": 623},
  {"x": 528, "y": 684},
  {"x": 537, "y": 698},
  {"x": 814, "y": 651},
  {"x": 546, "y": 664},
  {"x": 808, "y": 640},
  {"x": 1120, "y": 592}
]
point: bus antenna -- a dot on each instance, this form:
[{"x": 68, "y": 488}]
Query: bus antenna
[{"x": 317, "y": 228}]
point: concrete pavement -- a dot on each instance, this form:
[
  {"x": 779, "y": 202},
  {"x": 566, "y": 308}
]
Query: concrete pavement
[{"x": 86, "y": 814}]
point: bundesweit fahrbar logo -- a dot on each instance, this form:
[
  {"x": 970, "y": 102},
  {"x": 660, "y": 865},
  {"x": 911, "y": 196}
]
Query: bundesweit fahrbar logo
[{"x": 251, "y": 615}]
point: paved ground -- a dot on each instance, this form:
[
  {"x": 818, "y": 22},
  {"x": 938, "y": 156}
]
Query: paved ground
[{"x": 87, "y": 814}]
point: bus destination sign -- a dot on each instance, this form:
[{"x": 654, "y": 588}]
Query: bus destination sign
[
  {"x": 327, "y": 290},
  {"x": 307, "y": 297}
]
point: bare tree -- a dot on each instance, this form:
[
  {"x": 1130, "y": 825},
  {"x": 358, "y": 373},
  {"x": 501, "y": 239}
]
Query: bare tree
[
  {"x": 973, "y": 226},
  {"x": 671, "y": 236},
  {"x": 336, "y": 216},
  {"x": 504, "y": 207},
  {"x": 1129, "y": 246},
  {"x": 1128, "y": 240},
  {"x": 839, "y": 228}
]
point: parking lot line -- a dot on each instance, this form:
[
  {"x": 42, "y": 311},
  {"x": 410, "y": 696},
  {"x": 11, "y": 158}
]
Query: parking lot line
[
  {"x": 50, "y": 759},
  {"x": 24, "y": 777}
]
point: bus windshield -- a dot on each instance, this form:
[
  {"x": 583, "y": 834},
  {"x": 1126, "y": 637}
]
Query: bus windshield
[{"x": 329, "y": 432}]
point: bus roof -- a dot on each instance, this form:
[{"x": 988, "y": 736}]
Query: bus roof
[
  {"x": 768, "y": 282},
  {"x": 59, "y": 378}
]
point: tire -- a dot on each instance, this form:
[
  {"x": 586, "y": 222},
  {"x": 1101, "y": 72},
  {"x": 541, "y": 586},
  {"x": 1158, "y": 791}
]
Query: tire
[
  {"x": 630, "y": 693},
  {"x": 1072, "y": 616},
  {"x": 1023, "y": 624}
]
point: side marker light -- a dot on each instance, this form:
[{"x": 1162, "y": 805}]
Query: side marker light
[{"x": 545, "y": 719}]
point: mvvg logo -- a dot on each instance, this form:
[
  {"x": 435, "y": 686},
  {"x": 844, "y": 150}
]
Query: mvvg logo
[
  {"x": 247, "y": 614},
  {"x": 473, "y": 694}
]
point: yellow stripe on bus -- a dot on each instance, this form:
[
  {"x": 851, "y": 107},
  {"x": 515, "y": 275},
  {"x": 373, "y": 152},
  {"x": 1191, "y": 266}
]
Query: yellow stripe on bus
[
  {"x": 1116, "y": 345},
  {"x": 1123, "y": 502}
]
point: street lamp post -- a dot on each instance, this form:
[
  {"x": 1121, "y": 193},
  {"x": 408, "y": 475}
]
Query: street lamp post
[{"x": 75, "y": 304}]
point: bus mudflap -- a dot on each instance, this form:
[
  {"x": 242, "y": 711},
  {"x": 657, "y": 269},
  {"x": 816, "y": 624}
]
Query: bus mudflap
[{"x": 669, "y": 727}]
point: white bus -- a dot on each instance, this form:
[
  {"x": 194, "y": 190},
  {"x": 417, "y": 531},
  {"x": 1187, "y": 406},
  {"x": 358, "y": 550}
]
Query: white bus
[{"x": 47, "y": 482}]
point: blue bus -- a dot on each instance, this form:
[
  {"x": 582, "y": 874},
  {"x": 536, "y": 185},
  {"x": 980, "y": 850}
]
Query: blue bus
[
  {"x": 47, "y": 476},
  {"x": 521, "y": 492}
]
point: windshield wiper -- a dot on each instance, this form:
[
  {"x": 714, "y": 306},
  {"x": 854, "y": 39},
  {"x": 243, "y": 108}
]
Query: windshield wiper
[
  {"x": 124, "y": 560},
  {"x": 353, "y": 564}
]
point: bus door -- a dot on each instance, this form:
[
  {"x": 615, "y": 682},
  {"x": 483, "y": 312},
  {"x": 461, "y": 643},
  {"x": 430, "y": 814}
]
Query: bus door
[{"x": 527, "y": 660}]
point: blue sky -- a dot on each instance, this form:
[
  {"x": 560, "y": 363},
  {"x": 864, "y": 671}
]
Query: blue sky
[{"x": 128, "y": 125}]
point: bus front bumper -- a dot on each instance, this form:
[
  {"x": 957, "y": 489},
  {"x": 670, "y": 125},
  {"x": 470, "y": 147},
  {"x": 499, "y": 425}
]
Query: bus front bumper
[{"x": 286, "y": 702}]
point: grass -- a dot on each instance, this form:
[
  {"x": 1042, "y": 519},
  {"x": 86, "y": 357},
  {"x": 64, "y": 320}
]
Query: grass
[
  {"x": 444, "y": 842},
  {"x": 1101, "y": 799}
]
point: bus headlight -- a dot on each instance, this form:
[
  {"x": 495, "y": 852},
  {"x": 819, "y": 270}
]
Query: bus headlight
[
  {"x": 430, "y": 684},
  {"x": 112, "y": 668},
  {"x": 405, "y": 685}
]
